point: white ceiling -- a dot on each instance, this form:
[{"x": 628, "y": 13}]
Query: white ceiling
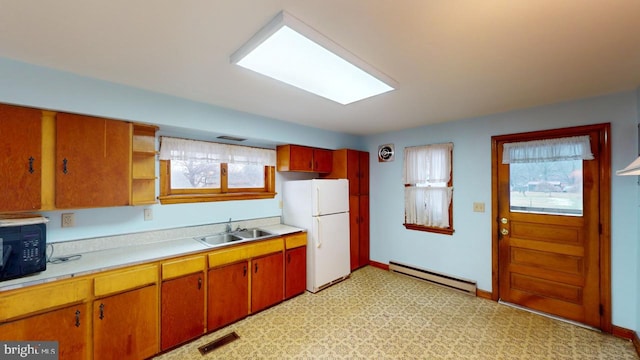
[{"x": 452, "y": 59}]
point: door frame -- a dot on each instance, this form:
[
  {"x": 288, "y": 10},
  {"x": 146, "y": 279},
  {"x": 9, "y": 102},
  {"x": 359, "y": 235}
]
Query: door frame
[{"x": 604, "y": 131}]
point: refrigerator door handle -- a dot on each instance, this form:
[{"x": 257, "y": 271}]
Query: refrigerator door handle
[{"x": 318, "y": 237}]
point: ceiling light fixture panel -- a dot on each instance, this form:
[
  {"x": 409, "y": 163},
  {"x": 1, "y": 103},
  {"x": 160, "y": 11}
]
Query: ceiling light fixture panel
[{"x": 288, "y": 50}]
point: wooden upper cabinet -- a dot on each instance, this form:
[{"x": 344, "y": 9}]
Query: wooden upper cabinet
[
  {"x": 303, "y": 159},
  {"x": 143, "y": 181},
  {"x": 93, "y": 161},
  {"x": 20, "y": 160},
  {"x": 354, "y": 166}
]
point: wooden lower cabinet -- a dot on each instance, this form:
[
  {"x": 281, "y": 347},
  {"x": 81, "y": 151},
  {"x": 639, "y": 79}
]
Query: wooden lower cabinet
[
  {"x": 69, "y": 326},
  {"x": 267, "y": 281},
  {"x": 228, "y": 293},
  {"x": 125, "y": 326},
  {"x": 295, "y": 271},
  {"x": 182, "y": 310}
]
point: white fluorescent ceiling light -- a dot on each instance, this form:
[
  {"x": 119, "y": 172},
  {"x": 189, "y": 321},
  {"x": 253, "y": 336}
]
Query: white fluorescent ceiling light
[{"x": 290, "y": 51}]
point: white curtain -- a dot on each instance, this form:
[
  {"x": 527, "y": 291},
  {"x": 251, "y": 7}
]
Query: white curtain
[
  {"x": 428, "y": 163},
  {"x": 568, "y": 148},
  {"x": 183, "y": 149},
  {"x": 427, "y": 170},
  {"x": 427, "y": 206}
]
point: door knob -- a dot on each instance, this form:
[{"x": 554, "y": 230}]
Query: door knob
[
  {"x": 504, "y": 231},
  {"x": 504, "y": 220}
]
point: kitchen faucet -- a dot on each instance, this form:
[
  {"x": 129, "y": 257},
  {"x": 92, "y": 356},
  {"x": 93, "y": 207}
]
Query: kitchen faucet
[{"x": 228, "y": 226}]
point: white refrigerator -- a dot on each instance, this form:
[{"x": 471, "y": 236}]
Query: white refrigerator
[{"x": 322, "y": 208}]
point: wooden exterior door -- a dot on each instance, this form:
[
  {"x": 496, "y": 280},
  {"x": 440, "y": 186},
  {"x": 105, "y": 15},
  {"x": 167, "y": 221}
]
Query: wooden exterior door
[{"x": 550, "y": 230}]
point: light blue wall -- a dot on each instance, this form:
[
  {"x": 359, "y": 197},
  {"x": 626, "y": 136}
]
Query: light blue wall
[
  {"x": 468, "y": 252},
  {"x": 29, "y": 85}
]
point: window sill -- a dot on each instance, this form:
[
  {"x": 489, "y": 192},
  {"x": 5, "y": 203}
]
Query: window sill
[
  {"x": 447, "y": 231},
  {"x": 195, "y": 198}
]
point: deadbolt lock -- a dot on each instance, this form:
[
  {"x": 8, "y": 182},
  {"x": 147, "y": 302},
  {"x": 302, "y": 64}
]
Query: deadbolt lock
[
  {"x": 504, "y": 231},
  {"x": 504, "y": 220}
]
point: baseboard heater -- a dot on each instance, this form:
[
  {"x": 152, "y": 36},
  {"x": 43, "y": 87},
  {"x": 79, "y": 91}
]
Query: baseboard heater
[{"x": 464, "y": 285}]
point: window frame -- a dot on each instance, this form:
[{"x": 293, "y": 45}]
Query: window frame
[
  {"x": 169, "y": 195},
  {"x": 433, "y": 229},
  {"x": 223, "y": 155}
]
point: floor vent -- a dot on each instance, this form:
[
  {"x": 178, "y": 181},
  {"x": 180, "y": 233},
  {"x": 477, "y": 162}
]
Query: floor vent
[
  {"x": 206, "y": 348},
  {"x": 464, "y": 285}
]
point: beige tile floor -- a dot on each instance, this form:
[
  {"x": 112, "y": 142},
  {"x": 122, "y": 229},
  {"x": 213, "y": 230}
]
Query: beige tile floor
[{"x": 376, "y": 314}]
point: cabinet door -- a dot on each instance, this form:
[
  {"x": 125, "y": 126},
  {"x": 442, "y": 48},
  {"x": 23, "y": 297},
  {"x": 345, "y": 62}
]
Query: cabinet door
[
  {"x": 21, "y": 161},
  {"x": 322, "y": 160},
  {"x": 301, "y": 158},
  {"x": 125, "y": 325},
  {"x": 363, "y": 253},
  {"x": 68, "y": 326},
  {"x": 182, "y": 310},
  {"x": 295, "y": 272},
  {"x": 354, "y": 231},
  {"x": 228, "y": 297},
  {"x": 363, "y": 165},
  {"x": 93, "y": 166},
  {"x": 267, "y": 281}
]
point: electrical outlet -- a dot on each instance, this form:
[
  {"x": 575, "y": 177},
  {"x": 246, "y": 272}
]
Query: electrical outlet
[
  {"x": 68, "y": 220},
  {"x": 478, "y": 207},
  {"x": 148, "y": 214}
]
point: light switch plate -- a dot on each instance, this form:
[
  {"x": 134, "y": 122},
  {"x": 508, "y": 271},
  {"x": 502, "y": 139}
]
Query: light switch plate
[{"x": 148, "y": 214}]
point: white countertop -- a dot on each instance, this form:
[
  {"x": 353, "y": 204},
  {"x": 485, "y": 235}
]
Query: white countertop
[{"x": 96, "y": 261}]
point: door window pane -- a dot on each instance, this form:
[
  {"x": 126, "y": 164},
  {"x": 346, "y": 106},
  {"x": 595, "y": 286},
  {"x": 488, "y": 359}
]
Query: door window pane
[{"x": 549, "y": 187}]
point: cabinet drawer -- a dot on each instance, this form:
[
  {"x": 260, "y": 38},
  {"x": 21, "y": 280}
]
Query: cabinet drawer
[
  {"x": 180, "y": 267},
  {"x": 42, "y": 297},
  {"x": 294, "y": 241},
  {"x": 125, "y": 280},
  {"x": 244, "y": 252}
]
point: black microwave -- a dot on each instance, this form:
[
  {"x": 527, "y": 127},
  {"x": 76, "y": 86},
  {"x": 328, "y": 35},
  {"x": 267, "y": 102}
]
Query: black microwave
[{"x": 22, "y": 250}]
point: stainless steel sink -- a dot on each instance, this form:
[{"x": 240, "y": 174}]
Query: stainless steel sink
[
  {"x": 239, "y": 235},
  {"x": 253, "y": 233},
  {"x": 218, "y": 239}
]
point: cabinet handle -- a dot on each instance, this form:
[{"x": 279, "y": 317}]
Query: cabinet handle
[
  {"x": 101, "y": 311},
  {"x": 64, "y": 165},
  {"x": 256, "y": 268},
  {"x": 244, "y": 270},
  {"x": 310, "y": 164},
  {"x": 77, "y": 318},
  {"x": 199, "y": 283},
  {"x": 289, "y": 258},
  {"x": 31, "y": 159}
]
